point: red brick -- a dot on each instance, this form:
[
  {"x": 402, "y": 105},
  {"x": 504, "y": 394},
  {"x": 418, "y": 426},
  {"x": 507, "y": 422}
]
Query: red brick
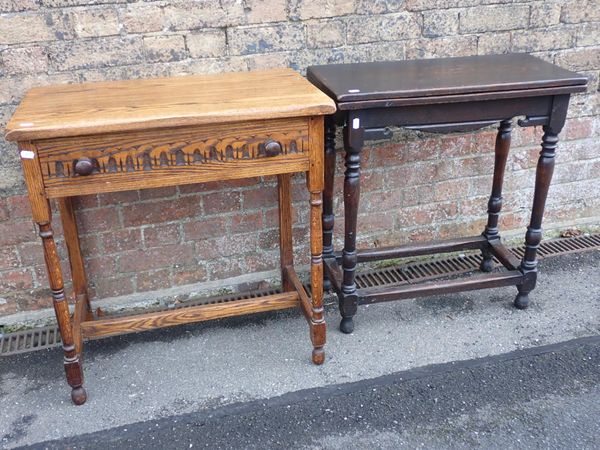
[
  {"x": 101, "y": 265},
  {"x": 578, "y": 129},
  {"x": 18, "y": 279},
  {"x": 157, "y": 258},
  {"x": 121, "y": 240},
  {"x": 375, "y": 222},
  {"x": 115, "y": 198},
  {"x": 164, "y": 192},
  {"x": 12, "y": 232},
  {"x": 149, "y": 281},
  {"x": 8, "y": 257},
  {"x": 4, "y": 210},
  {"x": 260, "y": 197},
  {"x": 95, "y": 220},
  {"x": 412, "y": 175},
  {"x": 218, "y": 185},
  {"x": 161, "y": 211},
  {"x": 250, "y": 221},
  {"x": 222, "y": 202},
  {"x": 189, "y": 275},
  {"x": 202, "y": 228},
  {"x": 18, "y": 207},
  {"x": 112, "y": 287},
  {"x": 223, "y": 246},
  {"x": 35, "y": 300},
  {"x": 86, "y": 201},
  {"x": 160, "y": 235},
  {"x": 8, "y": 305},
  {"x": 31, "y": 253}
]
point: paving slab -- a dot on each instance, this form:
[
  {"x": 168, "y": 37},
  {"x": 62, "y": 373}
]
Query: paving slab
[{"x": 200, "y": 367}]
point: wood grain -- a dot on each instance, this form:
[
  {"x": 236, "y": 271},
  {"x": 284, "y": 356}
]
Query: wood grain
[
  {"x": 150, "y": 321},
  {"x": 107, "y": 107}
]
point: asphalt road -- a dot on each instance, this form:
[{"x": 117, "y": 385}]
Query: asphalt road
[
  {"x": 185, "y": 375},
  {"x": 542, "y": 398}
]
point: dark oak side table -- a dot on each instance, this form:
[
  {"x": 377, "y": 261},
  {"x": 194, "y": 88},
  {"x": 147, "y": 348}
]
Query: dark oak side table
[
  {"x": 439, "y": 95},
  {"x": 117, "y": 136}
]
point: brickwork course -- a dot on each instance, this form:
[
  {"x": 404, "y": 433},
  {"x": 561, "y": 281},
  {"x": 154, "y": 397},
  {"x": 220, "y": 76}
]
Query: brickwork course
[{"x": 416, "y": 187}]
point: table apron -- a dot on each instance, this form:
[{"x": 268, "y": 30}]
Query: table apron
[{"x": 452, "y": 113}]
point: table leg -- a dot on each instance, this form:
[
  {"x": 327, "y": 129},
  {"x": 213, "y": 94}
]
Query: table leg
[
  {"x": 286, "y": 251},
  {"x": 315, "y": 182},
  {"x": 328, "y": 215},
  {"x": 533, "y": 237},
  {"x": 72, "y": 362},
  {"x": 353, "y": 143},
  {"x": 495, "y": 202},
  {"x": 71, "y": 234}
]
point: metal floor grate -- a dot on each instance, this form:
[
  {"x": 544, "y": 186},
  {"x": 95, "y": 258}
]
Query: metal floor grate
[{"x": 46, "y": 337}]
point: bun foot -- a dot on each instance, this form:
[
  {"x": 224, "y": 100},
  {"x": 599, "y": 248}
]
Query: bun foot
[
  {"x": 487, "y": 265},
  {"x": 522, "y": 301},
  {"x": 318, "y": 356},
  {"x": 78, "y": 395},
  {"x": 347, "y": 325}
]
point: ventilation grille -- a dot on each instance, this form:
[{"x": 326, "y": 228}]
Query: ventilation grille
[{"x": 46, "y": 337}]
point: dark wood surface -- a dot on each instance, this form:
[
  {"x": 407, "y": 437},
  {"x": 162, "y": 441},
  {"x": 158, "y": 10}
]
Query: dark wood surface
[{"x": 437, "y": 77}]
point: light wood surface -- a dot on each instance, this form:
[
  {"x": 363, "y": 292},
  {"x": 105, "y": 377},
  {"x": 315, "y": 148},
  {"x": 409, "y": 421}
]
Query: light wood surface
[{"x": 92, "y": 108}]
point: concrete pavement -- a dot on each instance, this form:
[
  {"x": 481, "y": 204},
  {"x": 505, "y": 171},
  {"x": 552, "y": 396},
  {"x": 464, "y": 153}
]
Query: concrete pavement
[{"x": 197, "y": 368}]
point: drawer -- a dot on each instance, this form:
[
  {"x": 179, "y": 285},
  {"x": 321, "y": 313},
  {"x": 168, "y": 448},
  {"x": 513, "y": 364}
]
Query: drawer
[{"x": 172, "y": 156}]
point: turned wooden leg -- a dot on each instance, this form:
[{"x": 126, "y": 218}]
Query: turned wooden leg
[
  {"x": 495, "y": 202},
  {"x": 72, "y": 362},
  {"x": 533, "y": 237},
  {"x": 353, "y": 142},
  {"x": 328, "y": 215},
  {"x": 286, "y": 250},
  {"x": 315, "y": 183}
]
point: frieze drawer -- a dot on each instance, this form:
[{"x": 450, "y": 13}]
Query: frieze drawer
[{"x": 117, "y": 162}]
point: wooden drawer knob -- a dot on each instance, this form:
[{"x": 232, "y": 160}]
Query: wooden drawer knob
[
  {"x": 272, "y": 148},
  {"x": 84, "y": 166}
]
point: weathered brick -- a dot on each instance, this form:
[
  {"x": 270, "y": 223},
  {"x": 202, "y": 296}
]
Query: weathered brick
[
  {"x": 327, "y": 33},
  {"x": 440, "y": 23},
  {"x": 388, "y": 27},
  {"x": 95, "y": 22},
  {"x": 161, "y": 211},
  {"x": 18, "y": 5},
  {"x": 204, "y": 228},
  {"x": 100, "y": 52},
  {"x": 221, "y": 202},
  {"x": 440, "y": 47},
  {"x": 18, "y": 279},
  {"x": 23, "y": 28},
  {"x": 588, "y": 34},
  {"x": 112, "y": 287},
  {"x": 272, "y": 38},
  {"x": 117, "y": 241},
  {"x": 242, "y": 223},
  {"x": 9, "y": 257},
  {"x": 173, "y": 255},
  {"x": 62, "y": 3},
  {"x": 262, "y": 11},
  {"x": 532, "y": 41},
  {"x": 576, "y": 11},
  {"x": 160, "y": 235},
  {"x": 314, "y": 9},
  {"x": 493, "y": 43},
  {"x": 95, "y": 220},
  {"x": 164, "y": 48},
  {"x": 191, "y": 275},
  {"x": 148, "y": 281},
  {"x": 587, "y": 58},
  {"x": 207, "y": 43},
  {"x": 419, "y": 5},
  {"x": 493, "y": 18},
  {"x": 143, "y": 18},
  {"x": 544, "y": 14},
  {"x": 25, "y": 60},
  {"x": 378, "y": 6},
  {"x": 16, "y": 232},
  {"x": 190, "y": 15}
]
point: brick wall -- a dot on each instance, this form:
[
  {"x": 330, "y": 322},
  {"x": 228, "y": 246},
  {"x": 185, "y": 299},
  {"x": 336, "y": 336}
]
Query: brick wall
[{"x": 415, "y": 187}]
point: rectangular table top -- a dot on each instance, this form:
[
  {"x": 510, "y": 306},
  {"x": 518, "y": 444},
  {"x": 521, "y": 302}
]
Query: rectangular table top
[
  {"x": 104, "y": 107},
  {"x": 358, "y": 82}
]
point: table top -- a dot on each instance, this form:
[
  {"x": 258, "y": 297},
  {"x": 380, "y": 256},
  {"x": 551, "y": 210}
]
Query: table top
[
  {"x": 114, "y": 106},
  {"x": 442, "y": 76}
]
